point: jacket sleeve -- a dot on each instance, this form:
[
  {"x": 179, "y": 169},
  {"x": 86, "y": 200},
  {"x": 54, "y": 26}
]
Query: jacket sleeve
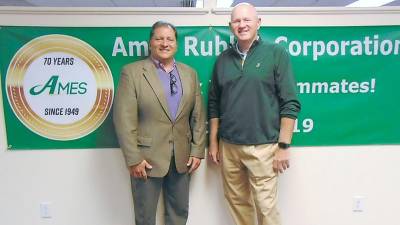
[
  {"x": 198, "y": 123},
  {"x": 289, "y": 104},
  {"x": 214, "y": 95},
  {"x": 126, "y": 119}
]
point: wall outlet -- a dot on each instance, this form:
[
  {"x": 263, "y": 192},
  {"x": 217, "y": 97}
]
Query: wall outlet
[
  {"x": 45, "y": 210},
  {"x": 358, "y": 203}
]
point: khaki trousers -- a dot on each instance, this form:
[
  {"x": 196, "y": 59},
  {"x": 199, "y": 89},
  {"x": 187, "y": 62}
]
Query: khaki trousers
[{"x": 250, "y": 184}]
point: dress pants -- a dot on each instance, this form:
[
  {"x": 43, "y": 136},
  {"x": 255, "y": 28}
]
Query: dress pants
[
  {"x": 175, "y": 188},
  {"x": 250, "y": 183}
]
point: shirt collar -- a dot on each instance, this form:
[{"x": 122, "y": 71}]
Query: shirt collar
[
  {"x": 159, "y": 65},
  {"x": 242, "y": 54}
]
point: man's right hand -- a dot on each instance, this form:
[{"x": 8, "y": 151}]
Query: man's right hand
[
  {"x": 139, "y": 170},
  {"x": 213, "y": 152}
]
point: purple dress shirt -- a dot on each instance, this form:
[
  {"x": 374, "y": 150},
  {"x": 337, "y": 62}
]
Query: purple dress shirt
[{"x": 173, "y": 99}]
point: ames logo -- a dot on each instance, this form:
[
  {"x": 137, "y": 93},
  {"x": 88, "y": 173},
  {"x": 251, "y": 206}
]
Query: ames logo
[
  {"x": 59, "y": 87},
  {"x": 54, "y": 86}
]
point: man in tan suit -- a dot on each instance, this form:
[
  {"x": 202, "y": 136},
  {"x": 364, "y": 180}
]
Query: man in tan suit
[{"x": 160, "y": 123}]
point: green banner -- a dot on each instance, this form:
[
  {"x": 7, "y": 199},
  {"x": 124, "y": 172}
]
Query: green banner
[{"x": 58, "y": 83}]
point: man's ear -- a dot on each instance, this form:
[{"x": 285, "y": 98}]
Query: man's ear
[{"x": 230, "y": 27}]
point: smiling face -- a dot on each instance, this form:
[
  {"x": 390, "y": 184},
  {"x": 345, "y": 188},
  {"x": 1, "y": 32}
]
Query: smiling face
[
  {"x": 245, "y": 23},
  {"x": 163, "y": 44}
]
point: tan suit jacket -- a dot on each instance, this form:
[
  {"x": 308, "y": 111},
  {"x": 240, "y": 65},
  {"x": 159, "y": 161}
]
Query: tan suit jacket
[{"x": 143, "y": 123}]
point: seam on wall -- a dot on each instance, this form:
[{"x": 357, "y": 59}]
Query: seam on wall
[
  {"x": 104, "y": 10},
  {"x": 194, "y": 11},
  {"x": 316, "y": 10}
]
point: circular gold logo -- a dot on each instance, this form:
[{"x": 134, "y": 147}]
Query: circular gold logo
[{"x": 59, "y": 87}]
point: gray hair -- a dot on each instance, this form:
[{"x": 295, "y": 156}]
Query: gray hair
[{"x": 162, "y": 24}]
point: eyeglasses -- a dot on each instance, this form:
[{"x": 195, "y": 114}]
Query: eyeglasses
[{"x": 172, "y": 84}]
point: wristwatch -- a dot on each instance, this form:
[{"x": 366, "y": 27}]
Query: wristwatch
[{"x": 283, "y": 145}]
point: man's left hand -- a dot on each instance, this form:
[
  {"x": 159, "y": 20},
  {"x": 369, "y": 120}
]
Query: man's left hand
[
  {"x": 193, "y": 163},
  {"x": 281, "y": 160}
]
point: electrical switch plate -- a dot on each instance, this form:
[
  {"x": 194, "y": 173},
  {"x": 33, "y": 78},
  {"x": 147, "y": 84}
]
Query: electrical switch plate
[
  {"x": 45, "y": 210},
  {"x": 358, "y": 203}
]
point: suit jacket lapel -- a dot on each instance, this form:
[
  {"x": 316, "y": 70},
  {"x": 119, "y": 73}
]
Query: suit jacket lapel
[
  {"x": 151, "y": 75},
  {"x": 185, "y": 81}
]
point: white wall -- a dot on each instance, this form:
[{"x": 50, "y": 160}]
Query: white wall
[{"x": 91, "y": 187}]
